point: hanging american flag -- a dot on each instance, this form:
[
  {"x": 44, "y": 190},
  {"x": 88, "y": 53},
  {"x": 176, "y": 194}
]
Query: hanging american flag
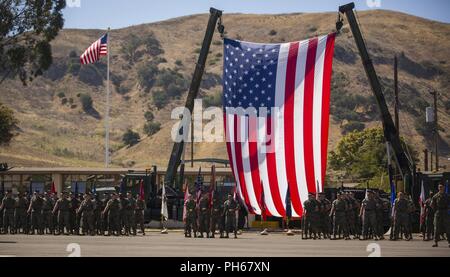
[
  {"x": 95, "y": 51},
  {"x": 276, "y": 114}
]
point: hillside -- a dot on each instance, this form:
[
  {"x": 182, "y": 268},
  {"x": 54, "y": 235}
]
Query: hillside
[{"x": 152, "y": 64}]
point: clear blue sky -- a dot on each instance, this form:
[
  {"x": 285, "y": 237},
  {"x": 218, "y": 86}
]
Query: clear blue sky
[{"x": 122, "y": 13}]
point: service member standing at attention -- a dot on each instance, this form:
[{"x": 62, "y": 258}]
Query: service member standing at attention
[
  {"x": 47, "y": 216},
  {"x": 35, "y": 210},
  {"x": 401, "y": 214},
  {"x": 139, "y": 215},
  {"x": 204, "y": 213},
  {"x": 368, "y": 215},
  {"x": 191, "y": 217},
  {"x": 129, "y": 214},
  {"x": 8, "y": 206},
  {"x": 62, "y": 211},
  {"x": 440, "y": 203},
  {"x": 20, "y": 215},
  {"x": 311, "y": 208},
  {"x": 230, "y": 208},
  {"x": 428, "y": 229},
  {"x": 216, "y": 216},
  {"x": 338, "y": 210},
  {"x": 86, "y": 211},
  {"x": 112, "y": 210}
]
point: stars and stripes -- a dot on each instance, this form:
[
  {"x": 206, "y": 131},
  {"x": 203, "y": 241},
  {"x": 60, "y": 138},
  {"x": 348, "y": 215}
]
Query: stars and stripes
[
  {"x": 276, "y": 115},
  {"x": 95, "y": 51}
]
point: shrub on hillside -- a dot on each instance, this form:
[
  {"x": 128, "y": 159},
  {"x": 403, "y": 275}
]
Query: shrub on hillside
[
  {"x": 130, "y": 138},
  {"x": 147, "y": 74},
  {"x": 151, "y": 128},
  {"x": 160, "y": 98}
]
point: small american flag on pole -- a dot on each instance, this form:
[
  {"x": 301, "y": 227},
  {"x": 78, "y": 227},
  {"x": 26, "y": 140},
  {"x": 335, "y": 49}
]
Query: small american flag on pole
[{"x": 95, "y": 51}]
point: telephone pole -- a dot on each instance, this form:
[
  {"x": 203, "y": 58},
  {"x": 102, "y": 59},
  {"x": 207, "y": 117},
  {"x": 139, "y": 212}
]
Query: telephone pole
[{"x": 436, "y": 129}]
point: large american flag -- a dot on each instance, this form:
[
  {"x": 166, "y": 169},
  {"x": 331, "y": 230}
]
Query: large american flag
[
  {"x": 95, "y": 51},
  {"x": 276, "y": 113}
]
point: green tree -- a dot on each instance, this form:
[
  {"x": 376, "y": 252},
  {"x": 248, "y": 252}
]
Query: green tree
[
  {"x": 149, "y": 116},
  {"x": 86, "y": 102},
  {"x": 151, "y": 128},
  {"x": 7, "y": 124},
  {"x": 160, "y": 98},
  {"x": 26, "y": 30},
  {"x": 147, "y": 74},
  {"x": 130, "y": 138},
  {"x": 130, "y": 46}
]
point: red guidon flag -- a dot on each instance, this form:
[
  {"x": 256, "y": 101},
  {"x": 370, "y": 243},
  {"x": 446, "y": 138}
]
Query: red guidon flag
[
  {"x": 95, "y": 51},
  {"x": 276, "y": 113}
]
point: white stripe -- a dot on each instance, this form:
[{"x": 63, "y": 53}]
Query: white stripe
[
  {"x": 278, "y": 118},
  {"x": 244, "y": 123},
  {"x": 230, "y": 130},
  {"x": 299, "y": 100},
  {"x": 262, "y": 163},
  {"x": 317, "y": 110}
]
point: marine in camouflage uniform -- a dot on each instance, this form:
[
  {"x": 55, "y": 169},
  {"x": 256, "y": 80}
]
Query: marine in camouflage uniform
[
  {"x": 35, "y": 210},
  {"x": 216, "y": 216},
  {"x": 369, "y": 216},
  {"x": 74, "y": 219},
  {"x": 191, "y": 217},
  {"x": 428, "y": 228},
  {"x": 311, "y": 217},
  {"x": 440, "y": 204},
  {"x": 112, "y": 210},
  {"x": 7, "y": 207},
  {"x": 349, "y": 214},
  {"x": 86, "y": 211},
  {"x": 47, "y": 215},
  {"x": 338, "y": 213},
  {"x": 356, "y": 205},
  {"x": 204, "y": 213},
  {"x": 324, "y": 214},
  {"x": 230, "y": 207},
  {"x": 62, "y": 211},
  {"x": 401, "y": 216},
  {"x": 139, "y": 215},
  {"x": 129, "y": 214},
  {"x": 379, "y": 230},
  {"x": 98, "y": 214},
  {"x": 122, "y": 213},
  {"x": 20, "y": 214},
  {"x": 104, "y": 216}
]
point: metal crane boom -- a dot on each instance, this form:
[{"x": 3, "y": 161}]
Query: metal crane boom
[{"x": 391, "y": 134}]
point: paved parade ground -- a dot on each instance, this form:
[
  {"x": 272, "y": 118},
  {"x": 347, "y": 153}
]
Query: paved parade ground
[{"x": 249, "y": 244}]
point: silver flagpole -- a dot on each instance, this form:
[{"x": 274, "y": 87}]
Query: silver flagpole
[{"x": 107, "y": 107}]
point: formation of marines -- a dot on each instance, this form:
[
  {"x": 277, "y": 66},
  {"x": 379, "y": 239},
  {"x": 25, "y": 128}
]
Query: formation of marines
[
  {"x": 206, "y": 216},
  {"x": 72, "y": 214},
  {"x": 118, "y": 214},
  {"x": 347, "y": 218}
]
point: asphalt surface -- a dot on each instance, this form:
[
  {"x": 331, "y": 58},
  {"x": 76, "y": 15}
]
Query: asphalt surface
[{"x": 249, "y": 244}]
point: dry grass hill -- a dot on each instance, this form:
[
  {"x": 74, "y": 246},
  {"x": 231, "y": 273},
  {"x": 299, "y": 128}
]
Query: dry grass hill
[{"x": 152, "y": 65}]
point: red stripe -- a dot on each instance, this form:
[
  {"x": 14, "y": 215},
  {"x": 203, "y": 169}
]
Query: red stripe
[
  {"x": 328, "y": 67},
  {"x": 229, "y": 141},
  {"x": 272, "y": 171},
  {"x": 289, "y": 127},
  {"x": 239, "y": 162},
  {"x": 308, "y": 115},
  {"x": 253, "y": 155}
]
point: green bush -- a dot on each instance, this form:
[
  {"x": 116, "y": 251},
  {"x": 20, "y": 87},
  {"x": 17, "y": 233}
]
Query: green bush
[
  {"x": 130, "y": 138},
  {"x": 64, "y": 101},
  {"x": 86, "y": 102},
  {"x": 179, "y": 62},
  {"x": 272, "y": 33},
  {"x": 153, "y": 45},
  {"x": 353, "y": 126},
  {"x": 90, "y": 75},
  {"x": 149, "y": 116},
  {"x": 214, "y": 100},
  {"x": 147, "y": 74},
  {"x": 8, "y": 123},
  {"x": 160, "y": 98},
  {"x": 61, "y": 95},
  {"x": 151, "y": 128}
]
